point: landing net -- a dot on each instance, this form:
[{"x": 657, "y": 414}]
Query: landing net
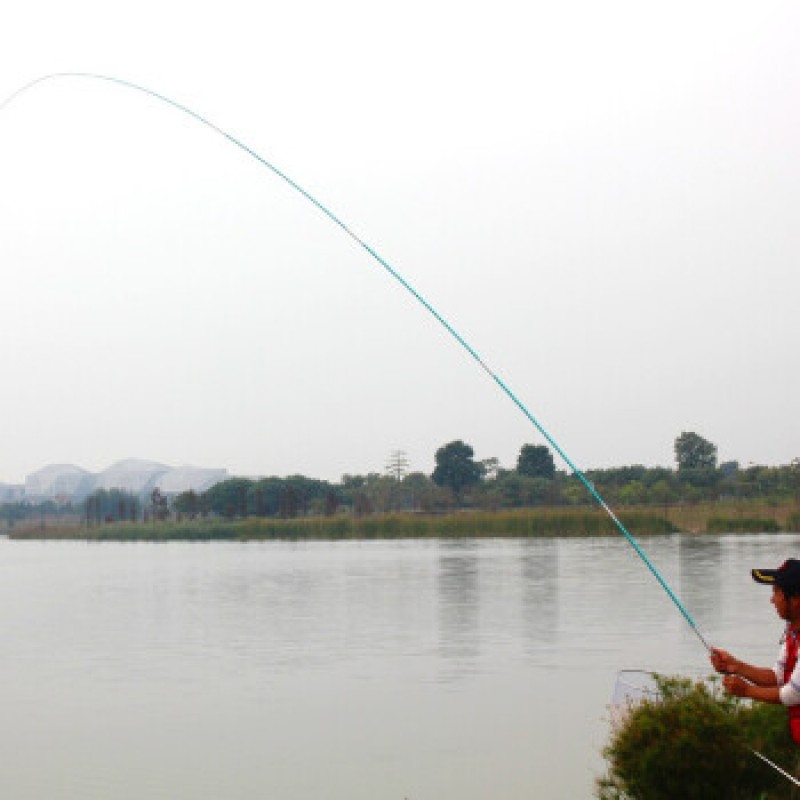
[{"x": 632, "y": 687}]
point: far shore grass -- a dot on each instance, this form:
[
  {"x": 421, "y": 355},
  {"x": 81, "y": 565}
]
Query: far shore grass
[{"x": 539, "y": 522}]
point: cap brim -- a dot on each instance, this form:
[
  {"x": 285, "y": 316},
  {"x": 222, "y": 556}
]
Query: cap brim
[{"x": 764, "y": 575}]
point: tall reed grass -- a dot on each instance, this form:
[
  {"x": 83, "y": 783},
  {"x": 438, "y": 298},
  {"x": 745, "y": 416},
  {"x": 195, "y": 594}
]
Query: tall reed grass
[
  {"x": 533, "y": 523},
  {"x": 742, "y": 525}
]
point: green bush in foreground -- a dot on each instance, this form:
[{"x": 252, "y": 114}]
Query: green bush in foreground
[{"x": 696, "y": 743}]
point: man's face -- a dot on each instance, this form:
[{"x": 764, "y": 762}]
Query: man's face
[
  {"x": 780, "y": 602},
  {"x": 787, "y": 608}
]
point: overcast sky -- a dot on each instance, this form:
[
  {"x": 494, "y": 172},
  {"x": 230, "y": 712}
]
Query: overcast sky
[{"x": 602, "y": 198}]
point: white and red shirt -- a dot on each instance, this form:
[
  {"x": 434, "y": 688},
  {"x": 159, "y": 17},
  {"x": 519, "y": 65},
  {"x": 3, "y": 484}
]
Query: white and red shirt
[
  {"x": 787, "y": 669},
  {"x": 787, "y": 674}
]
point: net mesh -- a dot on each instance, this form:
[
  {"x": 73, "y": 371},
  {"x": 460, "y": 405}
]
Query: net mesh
[{"x": 632, "y": 687}]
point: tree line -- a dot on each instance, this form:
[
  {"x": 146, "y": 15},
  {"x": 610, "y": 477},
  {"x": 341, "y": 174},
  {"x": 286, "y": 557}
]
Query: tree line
[{"x": 458, "y": 481}]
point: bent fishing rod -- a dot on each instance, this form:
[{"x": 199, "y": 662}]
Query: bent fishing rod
[{"x": 405, "y": 284}]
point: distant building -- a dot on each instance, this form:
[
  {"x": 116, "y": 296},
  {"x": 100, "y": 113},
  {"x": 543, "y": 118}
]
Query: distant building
[
  {"x": 184, "y": 479},
  {"x": 133, "y": 475},
  {"x": 69, "y": 483},
  {"x": 58, "y": 479},
  {"x": 11, "y": 493}
]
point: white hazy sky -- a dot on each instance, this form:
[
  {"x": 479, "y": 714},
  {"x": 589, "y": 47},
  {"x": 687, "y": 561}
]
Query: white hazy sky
[{"x": 602, "y": 198}]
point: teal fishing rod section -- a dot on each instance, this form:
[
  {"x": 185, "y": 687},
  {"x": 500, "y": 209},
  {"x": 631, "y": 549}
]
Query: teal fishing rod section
[{"x": 406, "y": 285}]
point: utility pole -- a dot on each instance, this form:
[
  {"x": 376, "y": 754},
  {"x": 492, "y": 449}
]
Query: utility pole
[{"x": 397, "y": 465}]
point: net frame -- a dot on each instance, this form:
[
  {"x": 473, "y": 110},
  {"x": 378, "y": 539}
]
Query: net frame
[{"x": 631, "y": 687}]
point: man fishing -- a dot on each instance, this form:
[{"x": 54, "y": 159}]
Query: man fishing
[{"x": 781, "y": 683}]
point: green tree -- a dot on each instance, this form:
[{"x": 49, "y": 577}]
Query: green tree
[
  {"x": 305, "y": 495},
  {"x": 264, "y": 496},
  {"x": 187, "y": 503},
  {"x": 692, "y": 451},
  {"x": 794, "y": 474},
  {"x": 229, "y": 498},
  {"x": 632, "y": 493},
  {"x": 110, "y": 505},
  {"x": 159, "y": 505},
  {"x": 331, "y": 503},
  {"x": 456, "y": 467},
  {"x": 289, "y": 502},
  {"x": 420, "y": 493},
  {"x": 517, "y": 490},
  {"x": 536, "y": 461},
  {"x": 661, "y": 492}
]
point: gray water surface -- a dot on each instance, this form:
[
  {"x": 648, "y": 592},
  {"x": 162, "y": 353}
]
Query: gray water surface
[{"x": 434, "y": 670}]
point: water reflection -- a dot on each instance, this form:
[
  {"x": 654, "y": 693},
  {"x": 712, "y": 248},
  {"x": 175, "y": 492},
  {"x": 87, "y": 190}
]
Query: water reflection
[
  {"x": 701, "y": 561},
  {"x": 464, "y": 669},
  {"x": 458, "y": 599},
  {"x": 539, "y": 563}
]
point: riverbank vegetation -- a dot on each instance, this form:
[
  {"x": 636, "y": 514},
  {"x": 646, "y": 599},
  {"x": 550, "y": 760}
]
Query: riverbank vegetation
[
  {"x": 545, "y": 522},
  {"x": 694, "y": 741},
  {"x": 462, "y": 496},
  {"x": 538, "y": 522}
]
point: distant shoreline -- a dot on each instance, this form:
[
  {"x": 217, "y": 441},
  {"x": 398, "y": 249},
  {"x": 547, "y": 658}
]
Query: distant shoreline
[{"x": 539, "y": 522}]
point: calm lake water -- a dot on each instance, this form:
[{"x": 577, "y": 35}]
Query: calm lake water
[{"x": 436, "y": 670}]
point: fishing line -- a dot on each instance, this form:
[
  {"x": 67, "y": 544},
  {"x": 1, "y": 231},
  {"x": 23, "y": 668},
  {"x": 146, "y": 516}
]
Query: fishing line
[
  {"x": 772, "y": 764},
  {"x": 407, "y": 286},
  {"x": 430, "y": 308}
]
